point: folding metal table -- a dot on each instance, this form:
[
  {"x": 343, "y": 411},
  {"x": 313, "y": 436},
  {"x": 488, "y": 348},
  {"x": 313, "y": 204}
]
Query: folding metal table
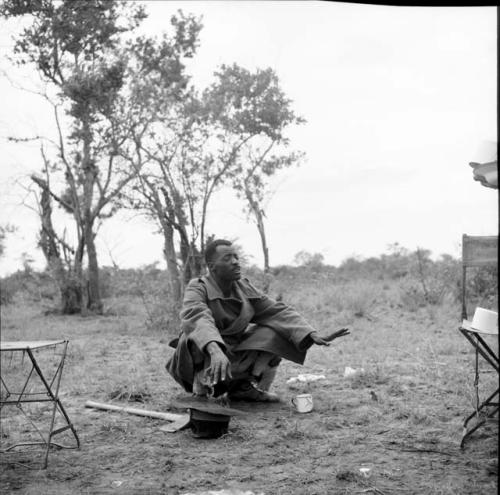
[
  {"x": 481, "y": 347},
  {"x": 20, "y": 393}
]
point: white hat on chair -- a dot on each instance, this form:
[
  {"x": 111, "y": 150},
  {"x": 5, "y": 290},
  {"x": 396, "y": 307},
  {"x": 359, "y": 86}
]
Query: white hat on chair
[{"x": 485, "y": 321}]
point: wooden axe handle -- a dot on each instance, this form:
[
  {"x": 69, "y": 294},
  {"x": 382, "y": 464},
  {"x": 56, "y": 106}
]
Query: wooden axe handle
[{"x": 133, "y": 410}]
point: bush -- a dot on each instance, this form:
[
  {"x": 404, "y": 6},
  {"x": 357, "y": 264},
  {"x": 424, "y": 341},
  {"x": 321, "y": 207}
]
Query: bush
[
  {"x": 483, "y": 284},
  {"x": 429, "y": 282},
  {"x": 325, "y": 301},
  {"x": 9, "y": 287},
  {"x": 481, "y": 289},
  {"x": 35, "y": 286},
  {"x": 151, "y": 285},
  {"x": 411, "y": 294}
]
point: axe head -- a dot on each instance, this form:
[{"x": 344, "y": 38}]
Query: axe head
[{"x": 178, "y": 424}]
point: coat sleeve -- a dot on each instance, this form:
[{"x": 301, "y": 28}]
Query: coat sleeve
[
  {"x": 197, "y": 321},
  {"x": 282, "y": 318}
]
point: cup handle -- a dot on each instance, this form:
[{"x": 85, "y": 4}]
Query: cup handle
[{"x": 293, "y": 401}]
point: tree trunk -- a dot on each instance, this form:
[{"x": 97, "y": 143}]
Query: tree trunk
[
  {"x": 171, "y": 259},
  {"x": 71, "y": 296},
  {"x": 259, "y": 220},
  {"x": 263, "y": 240},
  {"x": 188, "y": 251},
  {"x": 267, "y": 272},
  {"x": 94, "y": 302},
  {"x": 186, "y": 260},
  {"x": 191, "y": 261},
  {"x": 69, "y": 285}
]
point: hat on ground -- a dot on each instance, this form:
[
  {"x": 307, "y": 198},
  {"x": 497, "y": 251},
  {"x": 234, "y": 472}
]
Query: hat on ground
[
  {"x": 208, "y": 419},
  {"x": 208, "y": 425}
]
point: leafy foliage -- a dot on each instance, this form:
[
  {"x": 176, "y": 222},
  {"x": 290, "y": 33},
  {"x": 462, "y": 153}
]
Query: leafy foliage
[
  {"x": 5, "y": 230},
  {"x": 304, "y": 258},
  {"x": 191, "y": 144},
  {"x": 86, "y": 51},
  {"x": 71, "y": 32},
  {"x": 140, "y": 135},
  {"x": 250, "y": 103},
  {"x": 253, "y": 106}
]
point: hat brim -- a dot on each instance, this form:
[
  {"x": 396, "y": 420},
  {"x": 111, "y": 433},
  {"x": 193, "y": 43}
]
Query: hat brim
[
  {"x": 208, "y": 425},
  {"x": 196, "y": 414},
  {"x": 208, "y": 406},
  {"x": 467, "y": 325}
]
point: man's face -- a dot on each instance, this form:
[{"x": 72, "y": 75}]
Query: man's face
[{"x": 226, "y": 264}]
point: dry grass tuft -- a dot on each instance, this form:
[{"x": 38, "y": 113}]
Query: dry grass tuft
[{"x": 369, "y": 379}]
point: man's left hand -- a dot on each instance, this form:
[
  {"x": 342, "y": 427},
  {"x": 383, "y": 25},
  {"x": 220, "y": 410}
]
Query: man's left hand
[{"x": 325, "y": 340}]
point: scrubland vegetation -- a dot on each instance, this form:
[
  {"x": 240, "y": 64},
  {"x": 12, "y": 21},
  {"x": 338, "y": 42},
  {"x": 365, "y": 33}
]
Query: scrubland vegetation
[{"x": 400, "y": 416}]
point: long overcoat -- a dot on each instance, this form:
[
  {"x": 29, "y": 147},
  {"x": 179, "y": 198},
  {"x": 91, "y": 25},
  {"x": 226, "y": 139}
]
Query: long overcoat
[{"x": 246, "y": 320}]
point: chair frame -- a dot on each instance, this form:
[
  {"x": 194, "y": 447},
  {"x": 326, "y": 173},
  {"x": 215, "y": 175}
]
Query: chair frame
[{"x": 478, "y": 251}]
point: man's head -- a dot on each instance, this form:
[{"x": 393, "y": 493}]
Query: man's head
[{"x": 222, "y": 260}]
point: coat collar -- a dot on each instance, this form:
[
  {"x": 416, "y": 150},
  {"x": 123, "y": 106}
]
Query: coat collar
[{"x": 214, "y": 291}]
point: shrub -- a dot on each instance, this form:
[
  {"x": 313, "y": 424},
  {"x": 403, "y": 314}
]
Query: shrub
[
  {"x": 8, "y": 288},
  {"x": 33, "y": 285},
  {"x": 428, "y": 282},
  {"x": 482, "y": 286},
  {"x": 152, "y": 286},
  {"x": 411, "y": 294},
  {"x": 359, "y": 298}
]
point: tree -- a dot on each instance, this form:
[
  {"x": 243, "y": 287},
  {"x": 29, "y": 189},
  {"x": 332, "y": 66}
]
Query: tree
[
  {"x": 5, "y": 230},
  {"x": 79, "y": 48},
  {"x": 158, "y": 91},
  {"x": 191, "y": 148},
  {"x": 254, "y": 103},
  {"x": 252, "y": 185},
  {"x": 304, "y": 258},
  {"x": 166, "y": 143},
  {"x": 168, "y": 187},
  {"x": 63, "y": 261},
  {"x": 74, "y": 47},
  {"x": 183, "y": 161}
]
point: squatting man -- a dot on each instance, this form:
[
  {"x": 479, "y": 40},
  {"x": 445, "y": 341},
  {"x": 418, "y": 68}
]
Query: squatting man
[{"x": 233, "y": 336}]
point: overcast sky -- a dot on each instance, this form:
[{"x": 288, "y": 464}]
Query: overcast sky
[{"x": 398, "y": 101}]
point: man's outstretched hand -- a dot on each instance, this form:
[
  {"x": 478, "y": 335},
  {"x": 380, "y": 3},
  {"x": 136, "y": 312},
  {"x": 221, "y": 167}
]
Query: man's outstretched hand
[
  {"x": 326, "y": 339},
  {"x": 220, "y": 366}
]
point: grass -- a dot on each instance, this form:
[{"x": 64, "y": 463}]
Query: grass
[{"x": 402, "y": 417}]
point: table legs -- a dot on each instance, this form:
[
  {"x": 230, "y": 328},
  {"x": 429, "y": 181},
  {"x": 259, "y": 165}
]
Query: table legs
[{"x": 52, "y": 391}]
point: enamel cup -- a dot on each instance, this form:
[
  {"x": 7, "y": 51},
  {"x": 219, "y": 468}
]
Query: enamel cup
[{"x": 303, "y": 403}]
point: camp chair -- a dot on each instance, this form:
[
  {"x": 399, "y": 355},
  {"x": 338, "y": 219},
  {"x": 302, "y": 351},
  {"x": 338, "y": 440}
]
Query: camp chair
[{"x": 478, "y": 251}]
